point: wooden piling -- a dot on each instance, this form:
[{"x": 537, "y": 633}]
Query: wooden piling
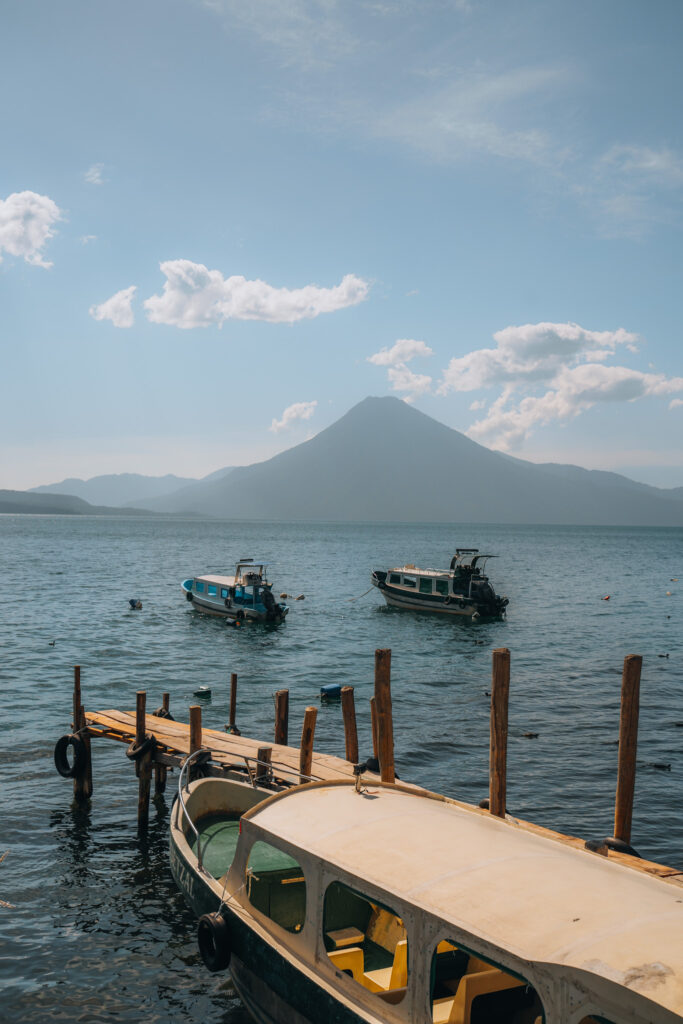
[
  {"x": 195, "y": 727},
  {"x": 281, "y": 717},
  {"x": 306, "y": 752},
  {"x": 628, "y": 742},
  {"x": 83, "y": 782},
  {"x": 232, "y": 728},
  {"x": 350, "y": 729},
  {"x": 264, "y": 771},
  {"x": 373, "y": 725},
  {"x": 500, "y": 691},
  {"x": 144, "y": 764},
  {"x": 160, "y": 770},
  {"x": 385, "y": 725}
]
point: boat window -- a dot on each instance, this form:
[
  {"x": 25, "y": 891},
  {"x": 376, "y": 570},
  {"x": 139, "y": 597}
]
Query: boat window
[
  {"x": 395, "y": 578},
  {"x": 442, "y": 586},
  {"x": 409, "y": 581},
  {"x": 276, "y": 886},
  {"x": 212, "y": 590},
  {"x": 425, "y": 586},
  {"x": 224, "y": 591},
  {"x": 367, "y": 941},
  {"x": 475, "y": 991},
  {"x": 199, "y": 587}
]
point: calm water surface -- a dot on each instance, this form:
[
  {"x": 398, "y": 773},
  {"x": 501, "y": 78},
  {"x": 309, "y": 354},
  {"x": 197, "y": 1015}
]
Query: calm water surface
[{"x": 98, "y": 931}]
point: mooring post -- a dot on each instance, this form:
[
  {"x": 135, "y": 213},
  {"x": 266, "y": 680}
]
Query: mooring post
[
  {"x": 160, "y": 770},
  {"x": 628, "y": 742},
  {"x": 144, "y": 763},
  {"x": 350, "y": 730},
  {"x": 281, "y": 717},
  {"x": 232, "y": 728},
  {"x": 385, "y": 725},
  {"x": 83, "y": 781},
  {"x": 195, "y": 727},
  {"x": 500, "y": 692},
  {"x": 306, "y": 751},
  {"x": 374, "y": 727},
  {"x": 264, "y": 771}
]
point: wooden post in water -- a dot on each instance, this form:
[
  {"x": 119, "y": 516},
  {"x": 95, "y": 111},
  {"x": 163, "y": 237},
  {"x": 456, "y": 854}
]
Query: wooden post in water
[
  {"x": 373, "y": 724},
  {"x": 144, "y": 764},
  {"x": 263, "y": 768},
  {"x": 232, "y": 728},
  {"x": 500, "y": 691},
  {"x": 82, "y": 782},
  {"x": 281, "y": 716},
  {"x": 385, "y": 725},
  {"x": 306, "y": 752},
  {"x": 195, "y": 727},
  {"x": 160, "y": 770},
  {"x": 350, "y": 730},
  {"x": 628, "y": 741}
]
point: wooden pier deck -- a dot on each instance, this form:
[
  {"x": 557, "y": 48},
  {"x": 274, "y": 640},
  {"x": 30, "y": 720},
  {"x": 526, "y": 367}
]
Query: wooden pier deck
[{"x": 228, "y": 752}]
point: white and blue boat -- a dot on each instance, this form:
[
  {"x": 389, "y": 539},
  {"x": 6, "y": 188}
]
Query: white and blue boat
[{"x": 246, "y": 595}]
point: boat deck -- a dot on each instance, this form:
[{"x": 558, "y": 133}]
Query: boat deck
[{"x": 228, "y": 752}]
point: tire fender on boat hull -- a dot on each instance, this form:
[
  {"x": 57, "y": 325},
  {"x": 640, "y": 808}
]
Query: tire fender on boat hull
[{"x": 213, "y": 940}]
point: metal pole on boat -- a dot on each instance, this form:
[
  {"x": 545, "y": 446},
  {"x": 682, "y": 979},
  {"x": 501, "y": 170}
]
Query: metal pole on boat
[
  {"x": 232, "y": 728},
  {"x": 628, "y": 742},
  {"x": 306, "y": 751},
  {"x": 500, "y": 691},
  {"x": 281, "y": 717},
  {"x": 385, "y": 725},
  {"x": 143, "y": 765},
  {"x": 350, "y": 730}
]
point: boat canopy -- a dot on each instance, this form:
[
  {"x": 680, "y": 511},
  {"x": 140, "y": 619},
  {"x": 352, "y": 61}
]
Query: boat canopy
[{"x": 538, "y": 898}]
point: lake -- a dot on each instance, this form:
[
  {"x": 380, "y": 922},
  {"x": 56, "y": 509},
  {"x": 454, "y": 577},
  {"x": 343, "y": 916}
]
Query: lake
[{"x": 98, "y": 931}]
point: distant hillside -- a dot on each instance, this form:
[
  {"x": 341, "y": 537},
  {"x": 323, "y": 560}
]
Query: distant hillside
[
  {"x": 119, "y": 489},
  {"x": 385, "y": 461},
  {"x": 26, "y": 502}
]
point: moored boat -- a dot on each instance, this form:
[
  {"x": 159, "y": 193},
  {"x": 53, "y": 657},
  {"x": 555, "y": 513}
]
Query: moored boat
[
  {"x": 463, "y": 589},
  {"x": 246, "y": 595},
  {"x": 383, "y": 904}
]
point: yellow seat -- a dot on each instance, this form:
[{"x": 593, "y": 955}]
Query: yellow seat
[
  {"x": 392, "y": 977},
  {"x": 457, "y": 1010},
  {"x": 349, "y": 959}
]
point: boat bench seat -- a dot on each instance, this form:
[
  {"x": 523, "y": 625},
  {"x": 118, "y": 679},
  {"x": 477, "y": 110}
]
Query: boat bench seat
[
  {"x": 383, "y": 980},
  {"x": 458, "y": 1009}
]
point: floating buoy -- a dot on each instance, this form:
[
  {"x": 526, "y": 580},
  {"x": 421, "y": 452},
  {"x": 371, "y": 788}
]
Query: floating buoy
[
  {"x": 606, "y": 598},
  {"x": 51, "y": 643},
  {"x": 283, "y": 596},
  {"x": 530, "y": 735},
  {"x": 662, "y": 655},
  {"x": 300, "y": 598},
  {"x": 668, "y": 593},
  {"x": 135, "y": 603},
  {"x": 331, "y": 691},
  {"x": 203, "y": 691}
]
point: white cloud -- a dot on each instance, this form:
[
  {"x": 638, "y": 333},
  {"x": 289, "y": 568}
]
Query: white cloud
[
  {"x": 675, "y": 403},
  {"x": 85, "y": 239},
  {"x": 194, "y": 296},
  {"x": 403, "y": 379},
  {"x": 26, "y": 225},
  {"x": 293, "y": 414},
  {"x": 118, "y": 308},
  {"x": 548, "y": 372},
  {"x": 402, "y": 351},
  {"x": 93, "y": 175}
]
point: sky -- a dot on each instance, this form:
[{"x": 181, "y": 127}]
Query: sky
[{"x": 223, "y": 224}]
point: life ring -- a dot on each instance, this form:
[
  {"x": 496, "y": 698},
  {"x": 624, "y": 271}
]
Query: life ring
[
  {"x": 136, "y": 751},
  {"x": 213, "y": 939},
  {"x": 66, "y": 770},
  {"x": 189, "y": 596}
]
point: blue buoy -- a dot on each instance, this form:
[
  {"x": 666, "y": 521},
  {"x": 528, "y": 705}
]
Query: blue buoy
[
  {"x": 135, "y": 603},
  {"x": 331, "y": 691}
]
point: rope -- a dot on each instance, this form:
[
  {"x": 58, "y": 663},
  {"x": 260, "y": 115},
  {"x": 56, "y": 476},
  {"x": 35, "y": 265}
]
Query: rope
[{"x": 359, "y": 596}]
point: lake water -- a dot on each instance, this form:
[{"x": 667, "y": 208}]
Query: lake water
[{"x": 98, "y": 931}]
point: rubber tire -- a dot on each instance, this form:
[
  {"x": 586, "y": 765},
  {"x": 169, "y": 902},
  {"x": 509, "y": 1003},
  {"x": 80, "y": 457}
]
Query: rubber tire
[
  {"x": 135, "y": 753},
  {"x": 62, "y": 765},
  {"x": 163, "y": 713},
  {"x": 213, "y": 940},
  {"x": 189, "y": 596}
]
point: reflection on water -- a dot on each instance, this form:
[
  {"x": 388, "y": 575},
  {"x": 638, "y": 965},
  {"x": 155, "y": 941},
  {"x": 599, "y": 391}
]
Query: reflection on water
[{"x": 100, "y": 932}]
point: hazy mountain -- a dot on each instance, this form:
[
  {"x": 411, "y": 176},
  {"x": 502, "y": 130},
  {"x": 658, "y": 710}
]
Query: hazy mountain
[
  {"x": 118, "y": 489},
  {"x": 56, "y": 504},
  {"x": 386, "y": 461}
]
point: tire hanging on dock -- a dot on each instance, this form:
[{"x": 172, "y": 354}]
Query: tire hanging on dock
[
  {"x": 66, "y": 770},
  {"x": 135, "y": 751},
  {"x": 213, "y": 940}
]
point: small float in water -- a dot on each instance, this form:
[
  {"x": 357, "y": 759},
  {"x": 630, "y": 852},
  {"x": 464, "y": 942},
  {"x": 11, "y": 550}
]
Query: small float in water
[
  {"x": 463, "y": 589},
  {"x": 245, "y": 596}
]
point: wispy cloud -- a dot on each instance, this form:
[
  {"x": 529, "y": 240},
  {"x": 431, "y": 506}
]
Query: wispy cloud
[
  {"x": 118, "y": 308},
  {"x": 93, "y": 176},
  {"x": 401, "y": 378},
  {"x": 195, "y": 296},
  {"x": 27, "y": 222},
  {"x": 549, "y": 372},
  {"x": 293, "y": 414},
  {"x": 86, "y": 239},
  {"x": 402, "y": 351}
]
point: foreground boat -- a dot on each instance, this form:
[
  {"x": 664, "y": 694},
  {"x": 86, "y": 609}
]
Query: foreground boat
[
  {"x": 461, "y": 590},
  {"x": 385, "y": 904},
  {"x": 247, "y": 595}
]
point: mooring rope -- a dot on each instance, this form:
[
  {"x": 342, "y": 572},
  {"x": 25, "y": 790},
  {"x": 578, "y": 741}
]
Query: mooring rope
[{"x": 359, "y": 596}]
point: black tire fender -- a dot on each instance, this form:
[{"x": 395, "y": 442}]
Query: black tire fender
[
  {"x": 228, "y": 602},
  {"x": 213, "y": 940},
  {"x": 163, "y": 712},
  {"x": 189, "y": 596},
  {"x": 136, "y": 751},
  {"x": 66, "y": 770}
]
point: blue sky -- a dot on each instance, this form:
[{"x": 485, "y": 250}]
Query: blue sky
[{"x": 223, "y": 224}]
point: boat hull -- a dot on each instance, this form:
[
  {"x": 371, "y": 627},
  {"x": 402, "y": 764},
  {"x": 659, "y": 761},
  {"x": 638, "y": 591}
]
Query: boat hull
[
  {"x": 414, "y": 603},
  {"x": 234, "y": 611}
]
